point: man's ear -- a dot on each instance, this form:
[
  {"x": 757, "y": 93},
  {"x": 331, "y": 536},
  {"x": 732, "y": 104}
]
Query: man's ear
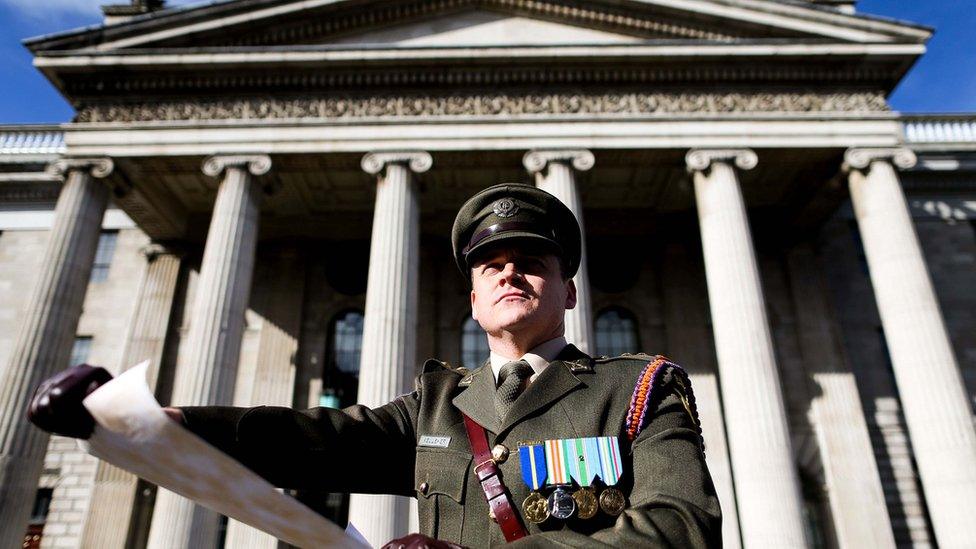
[
  {"x": 570, "y": 294},
  {"x": 474, "y": 315}
]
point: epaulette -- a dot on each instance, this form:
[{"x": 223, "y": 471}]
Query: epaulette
[
  {"x": 434, "y": 365},
  {"x": 625, "y": 356},
  {"x": 649, "y": 392},
  {"x": 580, "y": 365}
]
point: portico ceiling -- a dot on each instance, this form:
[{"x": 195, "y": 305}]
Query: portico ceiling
[{"x": 317, "y": 195}]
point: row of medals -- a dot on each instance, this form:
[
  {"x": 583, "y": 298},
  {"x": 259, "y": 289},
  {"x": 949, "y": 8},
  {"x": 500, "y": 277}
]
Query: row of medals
[{"x": 562, "y": 503}]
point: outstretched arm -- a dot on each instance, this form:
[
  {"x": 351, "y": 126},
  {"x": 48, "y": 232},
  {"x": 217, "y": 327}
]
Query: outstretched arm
[{"x": 356, "y": 449}]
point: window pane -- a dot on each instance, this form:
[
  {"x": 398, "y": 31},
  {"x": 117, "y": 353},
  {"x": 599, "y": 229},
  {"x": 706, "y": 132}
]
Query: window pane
[
  {"x": 42, "y": 503},
  {"x": 474, "y": 344},
  {"x": 103, "y": 256},
  {"x": 616, "y": 332},
  {"x": 80, "y": 350},
  {"x": 340, "y": 384},
  {"x": 347, "y": 342}
]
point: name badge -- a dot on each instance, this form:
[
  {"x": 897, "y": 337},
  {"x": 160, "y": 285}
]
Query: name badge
[{"x": 435, "y": 442}]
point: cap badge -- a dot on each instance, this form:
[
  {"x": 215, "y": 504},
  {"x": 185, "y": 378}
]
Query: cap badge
[{"x": 505, "y": 207}]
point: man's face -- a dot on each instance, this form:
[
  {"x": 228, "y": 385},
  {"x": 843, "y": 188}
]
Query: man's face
[{"x": 520, "y": 290}]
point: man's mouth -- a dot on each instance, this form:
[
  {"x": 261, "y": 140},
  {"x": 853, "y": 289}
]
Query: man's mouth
[{"x": 508, "y": 295}]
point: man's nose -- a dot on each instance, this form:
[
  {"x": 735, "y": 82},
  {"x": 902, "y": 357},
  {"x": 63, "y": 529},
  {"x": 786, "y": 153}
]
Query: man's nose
[{"x": 510, "y": 272}]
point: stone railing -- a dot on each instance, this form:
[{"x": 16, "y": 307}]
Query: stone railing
[
  {"x": 940, "y": 128},
  {"x": 30, "y": 140}
]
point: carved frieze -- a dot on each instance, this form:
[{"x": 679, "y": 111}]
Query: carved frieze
[{"x": 482, "y": 105}]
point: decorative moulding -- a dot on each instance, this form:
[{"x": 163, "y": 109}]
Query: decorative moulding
[{"x": 483, "y": 105}]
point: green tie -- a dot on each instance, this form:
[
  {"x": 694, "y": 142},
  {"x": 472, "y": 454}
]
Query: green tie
[{"x": 510, "y": 379}]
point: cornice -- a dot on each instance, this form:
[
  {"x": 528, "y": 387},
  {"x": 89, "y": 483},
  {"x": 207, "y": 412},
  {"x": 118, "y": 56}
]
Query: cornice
[
  {"x": 483, "y": 104},
  {"x": 277, "y": 83}
]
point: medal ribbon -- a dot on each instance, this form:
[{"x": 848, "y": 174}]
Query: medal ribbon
[
  {"x": 534, "y": 468},
  {"x": 556, "y": 462},
  {"x": 610, "y": 464},
  {"x": 569, "y": 459},
  {"x": 585, "y": 463}
]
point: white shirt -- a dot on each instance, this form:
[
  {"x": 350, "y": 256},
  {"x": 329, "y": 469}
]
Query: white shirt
[{"x": 539, "y": 357}]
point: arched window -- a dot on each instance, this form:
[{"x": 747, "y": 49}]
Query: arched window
[
  {"x": 340, "y": 379},
  {"x": 616, "y": 332},
  {"x": 474, "y": 344},
  {"x": 347, "y": 341}
]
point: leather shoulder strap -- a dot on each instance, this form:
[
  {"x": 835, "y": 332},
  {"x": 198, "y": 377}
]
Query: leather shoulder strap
[{"x": 490, "y": 478}]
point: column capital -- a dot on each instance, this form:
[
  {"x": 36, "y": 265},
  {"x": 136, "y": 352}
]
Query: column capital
[
  {"x": 699, "y": 160},
  {"x": 536, "y": 160},
  {"x": 418, "y": 161},
  {"x": 155, "y": 249},
  {"x": 98, "y": 167},
  {"x": 256, "y": 164},
  {"x": 861, "y": 158}
]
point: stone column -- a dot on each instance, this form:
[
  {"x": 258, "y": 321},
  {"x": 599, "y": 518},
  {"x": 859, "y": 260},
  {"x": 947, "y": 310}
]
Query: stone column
[
  {"x": 389, "y": 352},
  {"x": 937, "y": 411},
  {"x": 47, "y": 331},
  {"x": 555, "y": 173},
  {"x": 216, "y": 327},
  {"x": 857, "y": 503},
  {"x": 114, "y": 492},
  {"x": 686, "y": 321},
  {"x": 767, "y": 487},
  {"x": 268, "y": 377}
]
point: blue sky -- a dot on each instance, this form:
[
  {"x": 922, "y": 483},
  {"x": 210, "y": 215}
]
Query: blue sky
[{"x": 943, "y": 81}]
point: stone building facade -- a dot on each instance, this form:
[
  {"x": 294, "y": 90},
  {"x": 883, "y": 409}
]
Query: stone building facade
[{"x": 256, "y": 196}]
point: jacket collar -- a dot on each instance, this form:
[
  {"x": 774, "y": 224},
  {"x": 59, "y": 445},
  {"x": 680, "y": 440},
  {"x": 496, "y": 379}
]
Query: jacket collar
[{"x": 477, "y": 400}]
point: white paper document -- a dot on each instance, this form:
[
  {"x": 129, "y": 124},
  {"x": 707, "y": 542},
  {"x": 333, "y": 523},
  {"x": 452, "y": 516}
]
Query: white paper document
[{"x": 134, "y": 433}]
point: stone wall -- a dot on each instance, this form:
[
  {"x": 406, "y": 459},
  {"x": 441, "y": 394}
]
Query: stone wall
[
  {"x": 107, "y": 310},
  {"x": 68, "y": 470},
  {"x": 950, "y": 252}
]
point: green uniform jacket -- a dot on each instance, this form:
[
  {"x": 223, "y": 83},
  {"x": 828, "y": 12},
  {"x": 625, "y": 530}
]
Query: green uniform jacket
[{"x": 671, "y": 499}]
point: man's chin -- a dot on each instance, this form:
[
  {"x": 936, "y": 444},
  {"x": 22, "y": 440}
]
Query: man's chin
[{"x": 514, "y": 323}]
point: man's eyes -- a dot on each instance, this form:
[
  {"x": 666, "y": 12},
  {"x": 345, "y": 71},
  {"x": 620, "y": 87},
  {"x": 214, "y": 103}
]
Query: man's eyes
[{"x": 524, "y": 265}]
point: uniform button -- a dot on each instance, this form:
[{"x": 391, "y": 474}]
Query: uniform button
[
  {"x": 424, "y": 487},
  {"x": 499, "y": 454}
]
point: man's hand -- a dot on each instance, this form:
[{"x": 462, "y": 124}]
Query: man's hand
[
  {"x": 175, "y": 414},
  {"x": 420, "y": 541},
  {"x": 56, "y": 406}
]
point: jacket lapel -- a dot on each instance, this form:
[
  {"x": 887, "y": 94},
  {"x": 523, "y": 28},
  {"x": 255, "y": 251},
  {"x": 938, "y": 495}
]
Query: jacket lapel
[
  {"x": 552, "y": 384},
  {"x": 478, "y": 400},
  {"x": 558, "y": 379}
]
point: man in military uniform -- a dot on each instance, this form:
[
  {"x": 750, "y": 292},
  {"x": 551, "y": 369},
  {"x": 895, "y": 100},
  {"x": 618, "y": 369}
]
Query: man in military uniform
[{"x": 582, "y": 452}]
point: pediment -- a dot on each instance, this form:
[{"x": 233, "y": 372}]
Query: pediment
[
  {"x": 482, "y": 28},
  {"x": 459, "y": 23}
]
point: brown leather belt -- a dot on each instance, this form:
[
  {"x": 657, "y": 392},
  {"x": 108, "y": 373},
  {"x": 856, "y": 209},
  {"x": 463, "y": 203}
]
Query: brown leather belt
[{"x": 490, "y": 478}]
